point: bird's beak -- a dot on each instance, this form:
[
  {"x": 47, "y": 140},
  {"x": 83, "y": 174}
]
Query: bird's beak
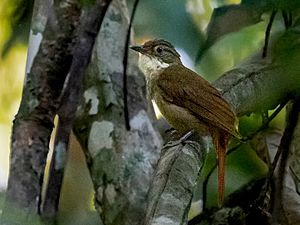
[{"x": 138, "y": 48}]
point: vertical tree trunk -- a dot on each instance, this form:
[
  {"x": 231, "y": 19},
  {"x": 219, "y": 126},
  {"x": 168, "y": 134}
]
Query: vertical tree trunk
[
  {"x": 91, "y": 19},
  {"x": 120, "y": 161},
  {"x": 34, "y": 122}
]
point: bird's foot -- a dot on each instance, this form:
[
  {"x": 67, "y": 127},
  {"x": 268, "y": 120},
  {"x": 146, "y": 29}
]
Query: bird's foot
[
  {"x": 181, "y": 140},
  {"x": 170, "y": 131}
]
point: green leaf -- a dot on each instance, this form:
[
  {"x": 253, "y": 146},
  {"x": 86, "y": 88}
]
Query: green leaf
[
  {"x": 249, "y": 124},
  {"x": 228, "y": 19}
]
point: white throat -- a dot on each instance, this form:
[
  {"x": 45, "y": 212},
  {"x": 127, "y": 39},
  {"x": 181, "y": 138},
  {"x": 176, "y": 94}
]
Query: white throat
[{"x": 150, "y": 65}]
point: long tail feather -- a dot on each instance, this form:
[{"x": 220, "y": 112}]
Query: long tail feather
[
  {"x": 221, "y": 152},
  {"x": 220, "y": 140}
]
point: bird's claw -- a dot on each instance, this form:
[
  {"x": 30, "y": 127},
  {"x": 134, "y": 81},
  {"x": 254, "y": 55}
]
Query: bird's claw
[
  {"x": 181, "y": 140},
  {"x": 170, "y": 130}
]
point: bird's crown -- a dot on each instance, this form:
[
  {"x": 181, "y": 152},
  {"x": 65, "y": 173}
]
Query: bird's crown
[{"x": 160, "y": 49}]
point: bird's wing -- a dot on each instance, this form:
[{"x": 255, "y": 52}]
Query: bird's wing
[{"x": 185, "y": 88}]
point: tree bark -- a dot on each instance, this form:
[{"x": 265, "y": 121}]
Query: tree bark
[
  {"x": 262, "y": 84},
  {"x": 173, "y": 184},
  {"x": 34, "y": 122},
  {"x": 287, "y": 200},
  {"x": 120, "y": 161},
  {"x": 90, "y": 22}
]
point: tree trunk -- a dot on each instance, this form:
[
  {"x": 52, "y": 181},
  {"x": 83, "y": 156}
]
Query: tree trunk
[
  {"x": 34, "y": 122},
  {"x": 121, "y": 161}
]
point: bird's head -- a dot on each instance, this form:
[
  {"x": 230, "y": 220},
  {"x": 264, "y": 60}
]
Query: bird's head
[{"x": 156, "y": 55}]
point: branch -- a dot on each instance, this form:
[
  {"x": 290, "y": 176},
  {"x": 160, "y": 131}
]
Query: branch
[
  {"x": 279, "y": 214},
  {"x": 267, "y": 34},
  {"x": 34, "y": 122},
  {"x": 258, "y": 86},
  {"x": 172, "y": 188},
  {"x": 125, "y": 62},
  {"x": 90, "y": 23},
  {"x": 291, "y": 193}
]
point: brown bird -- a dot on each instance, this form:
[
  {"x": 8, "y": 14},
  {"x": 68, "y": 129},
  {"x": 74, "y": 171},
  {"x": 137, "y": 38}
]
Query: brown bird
[{"x": 186, "y": 100}]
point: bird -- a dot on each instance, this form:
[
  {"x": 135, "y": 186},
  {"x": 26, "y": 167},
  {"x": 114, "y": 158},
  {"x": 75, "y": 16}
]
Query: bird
[{"x": 186, "y": 100}]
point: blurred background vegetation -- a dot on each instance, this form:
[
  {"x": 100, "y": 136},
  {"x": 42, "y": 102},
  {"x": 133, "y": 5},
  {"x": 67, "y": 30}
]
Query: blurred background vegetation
[
  {"x": 182, "y": 22},
  {"x": 12, "y": 67}
]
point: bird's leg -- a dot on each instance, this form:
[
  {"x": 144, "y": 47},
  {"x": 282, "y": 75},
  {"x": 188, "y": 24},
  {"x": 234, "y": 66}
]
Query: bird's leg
[{"x": 181, "y": 139}]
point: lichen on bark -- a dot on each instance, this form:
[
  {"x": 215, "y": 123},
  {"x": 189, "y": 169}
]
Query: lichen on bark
[{"x": 120, "y": 161}]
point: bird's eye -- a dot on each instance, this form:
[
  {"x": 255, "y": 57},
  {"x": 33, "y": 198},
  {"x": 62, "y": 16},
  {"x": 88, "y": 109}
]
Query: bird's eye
[{"x": 159, "y": 49}]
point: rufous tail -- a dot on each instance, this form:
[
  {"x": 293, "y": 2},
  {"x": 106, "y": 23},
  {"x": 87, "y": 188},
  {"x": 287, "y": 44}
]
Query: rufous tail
[{"x": 220, "y": 141}]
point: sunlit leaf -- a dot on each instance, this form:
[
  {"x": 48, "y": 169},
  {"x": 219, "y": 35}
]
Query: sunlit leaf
[
  {"x": 201, "y": 11},
  {"x": 20, "y": 23},
  {"x": 230, "y": 50},
  {"x": 11, "y": 79}
]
